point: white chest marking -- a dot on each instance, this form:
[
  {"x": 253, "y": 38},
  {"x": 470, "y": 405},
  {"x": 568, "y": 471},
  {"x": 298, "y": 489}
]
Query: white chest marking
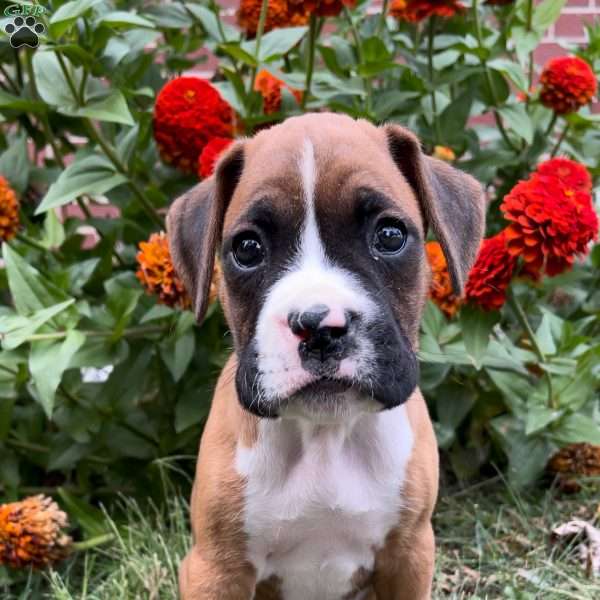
[{"x": 320, "y": 499}]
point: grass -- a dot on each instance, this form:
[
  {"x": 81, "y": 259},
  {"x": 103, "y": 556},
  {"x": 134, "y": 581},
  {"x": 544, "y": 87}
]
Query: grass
[{"x": 492, "y": 543}]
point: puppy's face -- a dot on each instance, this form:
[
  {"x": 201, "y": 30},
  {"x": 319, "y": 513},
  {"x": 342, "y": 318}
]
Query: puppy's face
[{"x": 320, "y": 224}]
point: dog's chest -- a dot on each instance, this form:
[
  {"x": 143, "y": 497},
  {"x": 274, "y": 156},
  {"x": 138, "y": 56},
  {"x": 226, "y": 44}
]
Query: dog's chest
[{"x": 319, "y": 501}]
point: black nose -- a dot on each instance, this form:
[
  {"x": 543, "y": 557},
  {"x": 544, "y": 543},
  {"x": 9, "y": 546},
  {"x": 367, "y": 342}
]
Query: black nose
[{"x": 318, "y": 343}]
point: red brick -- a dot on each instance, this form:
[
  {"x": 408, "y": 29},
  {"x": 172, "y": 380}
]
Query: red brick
[
  {"x": 571, "y": 26},
  {"x": 579, "y": 3}
]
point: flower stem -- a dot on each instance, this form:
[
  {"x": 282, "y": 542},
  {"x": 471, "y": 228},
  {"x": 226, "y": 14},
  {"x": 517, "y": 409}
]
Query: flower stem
[
  {"x": 312, "y": 44},
  {"x": 518, "y": 311},
  {"x": 551, "y": 125},
  {"x": 382, "y": 17},
  {"x": 262, "y": 19},
  {"x": 31, "y": 242},
  {"x": 359, "y": 53},
  {"x": 93, "y": 542},
  {"x": 430, "y": 52},
  {"x": 560, "y": 140},
  {"x": 131, "y": 332},
  {"x": 490, "y": 81},
  {"x": 531, "y": 55}
]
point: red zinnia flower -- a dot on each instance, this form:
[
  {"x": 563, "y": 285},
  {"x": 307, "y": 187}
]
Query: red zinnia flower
[
  {"x": 552, "y": 217},
  {"x": 280, "y": 13},
  {"x": 323, "y": 8},
  {"x": 209, "y": 155},
  {"x": 440, "y": 290},
  {"x": 270, "y": 88},
  {"x": 189, "y": 112},
  {"x": 491, "y": 274},
  {"x": 418, "y": 10},
  {"x": 568, "y": 83}
]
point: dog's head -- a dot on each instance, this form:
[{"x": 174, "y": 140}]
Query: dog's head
[{"x": 320, "y": 224}]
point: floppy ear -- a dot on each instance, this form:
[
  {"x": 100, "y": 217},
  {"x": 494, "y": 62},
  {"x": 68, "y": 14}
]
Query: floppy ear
[
  {"x": 195, "y": 224},
  {"x": 452, "y": 202}
]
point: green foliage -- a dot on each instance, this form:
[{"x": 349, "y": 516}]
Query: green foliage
[{"x": 98, "y": 381}]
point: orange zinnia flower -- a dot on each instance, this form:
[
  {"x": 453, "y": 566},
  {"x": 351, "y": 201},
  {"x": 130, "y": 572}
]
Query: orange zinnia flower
[
  {"x": 9, "y": 211},
  {"x": 568, "y": 83},
  {"x": 491, "y": 274},
  {"x": 270, "y": 88},
  {"x": 440, "y": 290},
  {"x": 552, "y": 219},
  {"x": 157, "y": 273},
  {"x": 444, "y": 153},
  {"x": 31, "y": 533},
  {"x": 418, "y": 10},
  {"x": 323, "y": 8},
  {"x": 280, "y": 13}
]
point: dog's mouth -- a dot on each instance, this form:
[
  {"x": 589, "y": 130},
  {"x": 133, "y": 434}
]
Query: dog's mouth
[{"x": 324, "y": 386}]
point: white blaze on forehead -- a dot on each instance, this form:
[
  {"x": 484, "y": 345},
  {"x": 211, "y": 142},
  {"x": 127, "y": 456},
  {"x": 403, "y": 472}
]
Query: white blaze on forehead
[{"x": 311, "y": 247}]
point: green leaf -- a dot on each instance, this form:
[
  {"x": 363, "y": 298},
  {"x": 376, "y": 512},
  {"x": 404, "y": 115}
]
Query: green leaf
[
  {"x": 30, "y": 291},
  {"x": 93, "y": 175},
  {"x": 546, "y": 13},
  {"x": 67, "y": 14},
  {"x": 539, "y": 417},
  {"x": 54, "y": 232},
  {"x": 51, "y": 83},
  {"x": 577, "y": 428},
  {"x": 239, "y": 53},
  {"x": 21, "y": 104},
  {"x": 90, "y": 519},
  {"x": 120, "y": 18},
  {"x": 276, "y": 43},
  {"x": 14, "y": 163},
  {"x": 123, "y": 294},
  {"x": 192, "y": 407},
  {"x": 16, "y": 329},
  {"x": 544, "y": 336},
  {"x": 213, "y": 24},
  {"x": 512, "y": 70},
  {"x": 527, "y": 457},
  {"x": 178, "y": 353},
  {"x": 47, "y": 362},
  {"x": 453, "y": 403},
  {"x": 477, "y": 327},
  {"x": 112, "y": 108},
  {"x": 517, "y": 119}
]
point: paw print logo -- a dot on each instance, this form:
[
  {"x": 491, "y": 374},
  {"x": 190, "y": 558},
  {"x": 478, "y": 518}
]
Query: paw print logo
[{"x": 24, "y": 32}]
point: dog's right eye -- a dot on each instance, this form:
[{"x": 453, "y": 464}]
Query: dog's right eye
[{"x": 248, "y": 251}]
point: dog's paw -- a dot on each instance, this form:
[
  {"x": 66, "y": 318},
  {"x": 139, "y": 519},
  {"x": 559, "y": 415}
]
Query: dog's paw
[{"x": 24, "y": 32}]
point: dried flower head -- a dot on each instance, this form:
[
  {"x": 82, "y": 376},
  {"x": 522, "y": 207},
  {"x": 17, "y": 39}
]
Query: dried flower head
[
  {"x": 444, "y": 153},
  {"x": 9, "y": 211},
  {"x": 419, "y": 10},
  {"x": 491, "y": 274},
  {"x": 157, "y": 273},
  {"x": 210, "y": 154},
  {"x": 31, "y": 533},
  {"x": 270, "y": 88},
  {"x": 573, "y": 461},
  {"x": 552, "y": 219},
  {"x": 440, "y": 290},
  {"x": 280, "y": 13},
  {"x": 568, "y": 83},
  {"x": 189, "y": 112}
]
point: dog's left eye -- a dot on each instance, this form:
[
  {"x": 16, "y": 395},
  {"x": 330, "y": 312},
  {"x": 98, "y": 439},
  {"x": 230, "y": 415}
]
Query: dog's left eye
[
  {"x": 390, "y": 237},
  {"x": 248, "y": 250}
]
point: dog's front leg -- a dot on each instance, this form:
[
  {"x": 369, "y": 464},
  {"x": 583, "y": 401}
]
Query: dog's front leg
[
  {"x": 406, "y": 573},
  {"x": 203, "y": 579}
]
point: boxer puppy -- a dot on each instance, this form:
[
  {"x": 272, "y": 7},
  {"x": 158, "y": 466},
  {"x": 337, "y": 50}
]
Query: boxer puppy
[{"x": 318, "y": 468}]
